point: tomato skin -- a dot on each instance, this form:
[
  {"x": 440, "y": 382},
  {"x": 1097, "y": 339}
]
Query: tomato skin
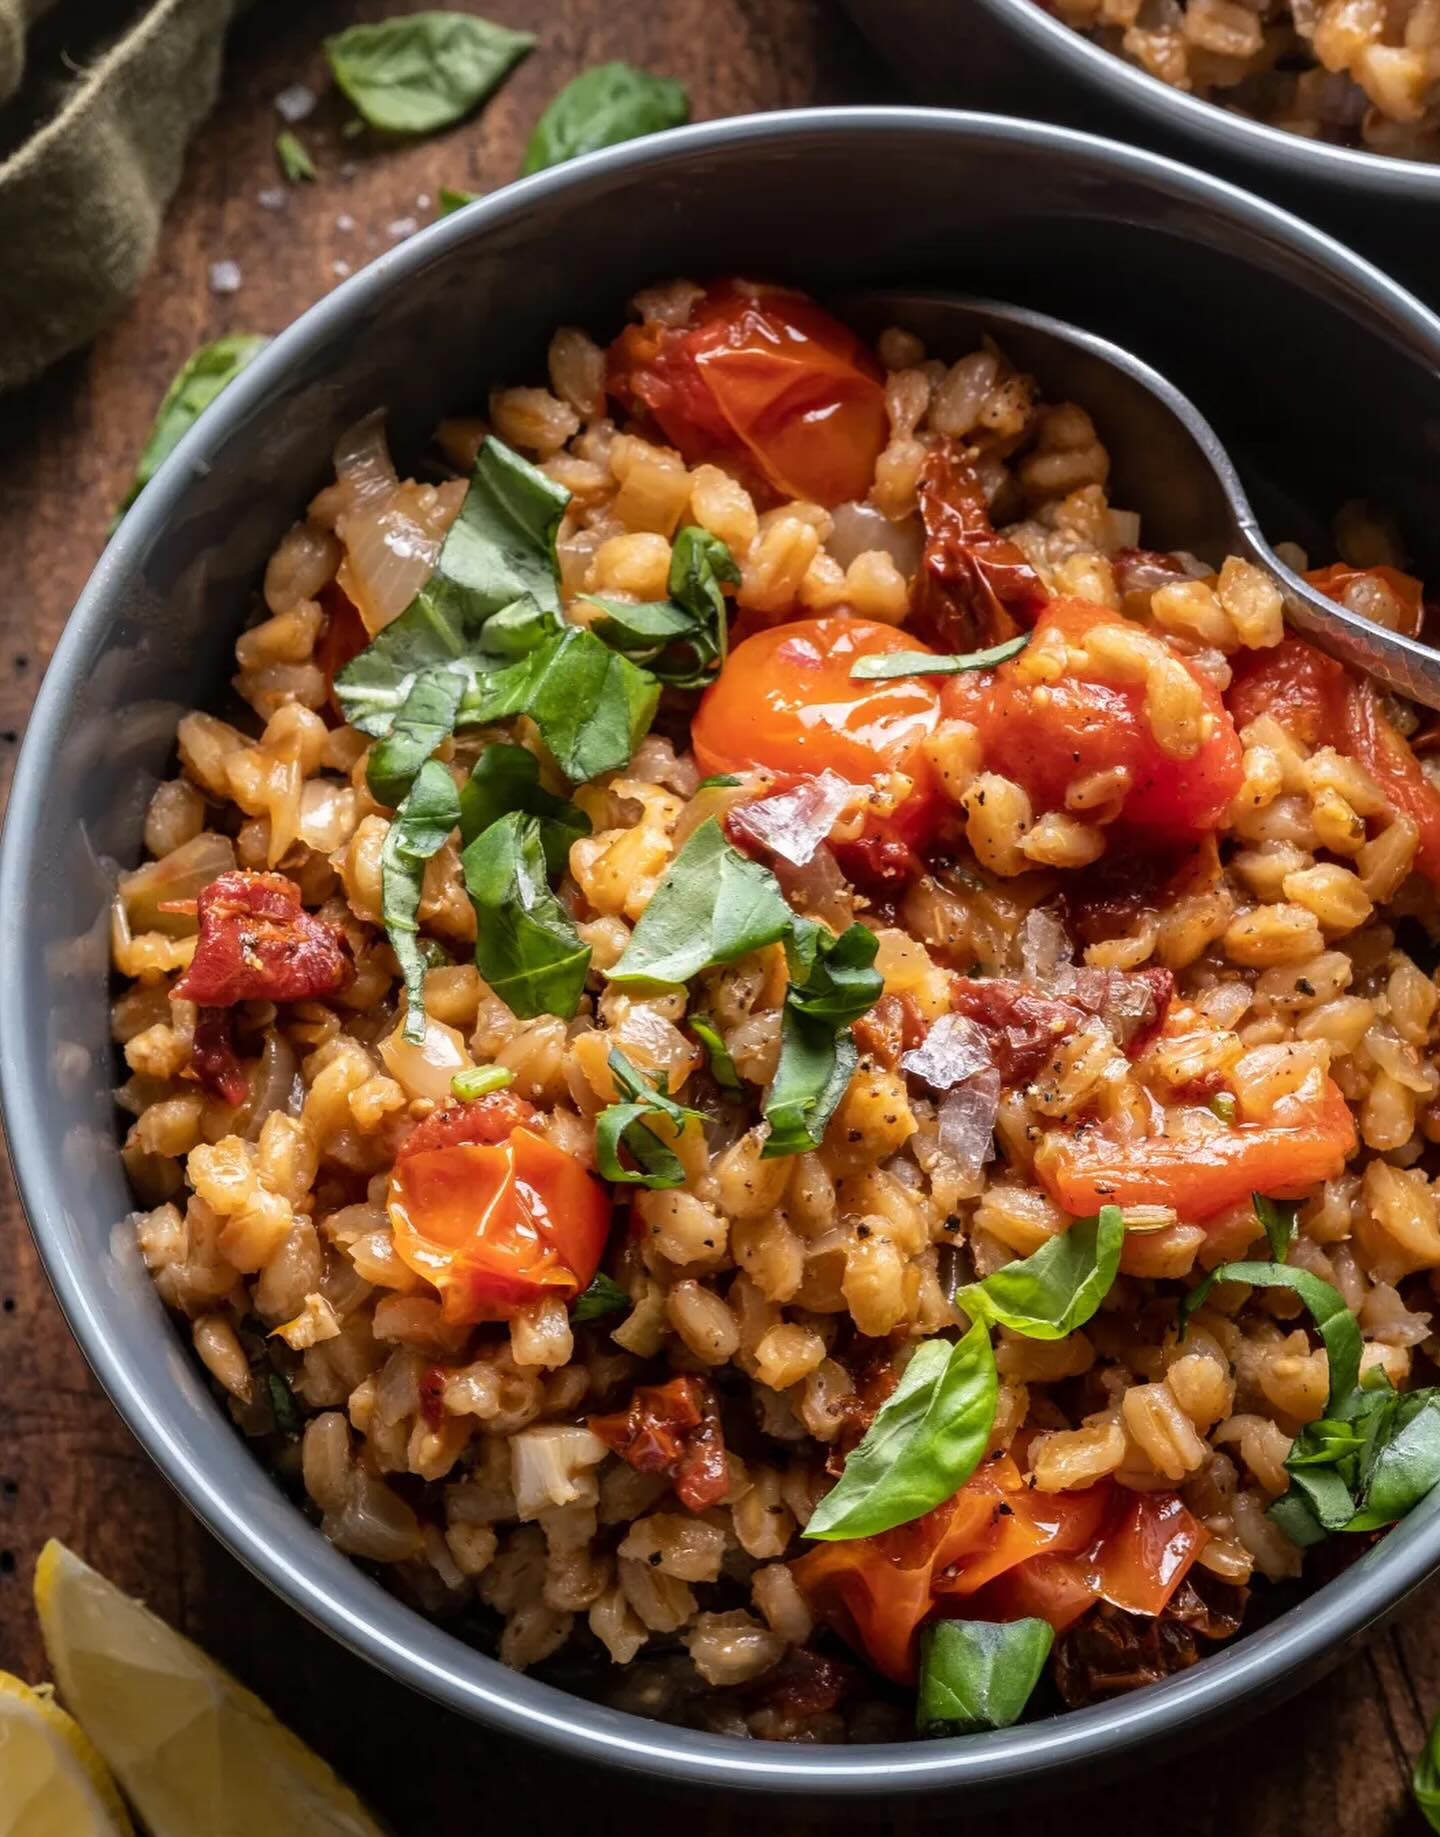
[
  {"x": 1407, "y": 592},
  {"x": 1044, "y": 735},
  {"x": 1302, "y": 687},
  {"x": 342, "y": 639},
  {"x": 766, "y": 381},
  {"x": 497, "y": 1225},
  {"x": 1308, "y": 1140},
  {"x": 785, "y": 702}
]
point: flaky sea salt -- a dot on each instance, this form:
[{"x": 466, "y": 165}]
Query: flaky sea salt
[
  {"x": 340, "y": 270},
  {"x": 345, "y": 223},
  {"x": 273, "y": 197},
  {"x": 295, "y": 102},
  {"x": 401, "y": 228},
  {"x": 225, "y": 277}
]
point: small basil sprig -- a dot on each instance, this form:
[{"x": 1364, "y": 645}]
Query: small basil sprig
[
  {"x": 424, "y": 71},
  {"x": 978, "y": 1674},
  {"x": 295, "y": 161},
  {"x": 1279, "y": 1217},
  {"x": 680, "y": 641},
  {"x": 600, "y": 108},
  {"x": 722, "y": 1067},
  {"x": 885, "y": 666},
  {"x": 421, "y": 828},
  {"x": 837, "y": 983},
  {"x": 1050, "y": 1294},
  {"x": 526, "y": 944},
  {"x": 200, "y": 379},
  {"x": 1425, "y": 1781},
  {"x": 506, "y": 778},
  {"x": 450, "y": 198},
  {"x": 603, "y": 1296},
  {"x": 925, "y": 1442},
  {"x": 627, "y": 1125}
]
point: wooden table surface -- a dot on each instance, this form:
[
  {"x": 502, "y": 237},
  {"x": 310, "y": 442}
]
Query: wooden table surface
[{"x": 1334, "y": 1763}]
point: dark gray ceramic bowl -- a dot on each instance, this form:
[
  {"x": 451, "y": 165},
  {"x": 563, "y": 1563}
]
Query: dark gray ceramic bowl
[
  {"x": 1343, "y": 391},
  {"x": 1271, "y": 155}
]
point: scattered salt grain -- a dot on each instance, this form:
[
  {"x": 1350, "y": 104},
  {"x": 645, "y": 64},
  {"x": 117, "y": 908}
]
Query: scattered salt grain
[
  {"x": 423, "y": 201},
  {"x": 340, "y": 270},
  {"x": 344, "y": 223},
  {"x": 295, "y": 102},
  {"x": 274, "y": 197},
  {"x": 401, "y": 228},
  {"x": 225, "y": 277}
]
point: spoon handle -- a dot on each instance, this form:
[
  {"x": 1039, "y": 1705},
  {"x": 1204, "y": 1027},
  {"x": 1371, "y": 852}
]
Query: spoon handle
[{"x": 1403, "y": 664}]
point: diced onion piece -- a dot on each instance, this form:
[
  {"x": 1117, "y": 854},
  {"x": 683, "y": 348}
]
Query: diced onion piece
[
  {"x": 374, "y": 1522},
  {"x": 1044, "y": 945},
  {"x": 363, "y": 465},
  {"x": 424, "y": 1069},
  {"x": 177, "y": 876},
  {"x": 860, "y": 529},
  {"x": 550, "y": 1466},
  {"x": 390, "y": 549}
]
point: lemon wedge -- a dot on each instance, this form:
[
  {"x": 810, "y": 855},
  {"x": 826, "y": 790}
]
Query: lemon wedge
[
  {"x": 197, "y": 1754},
  {"x": 52, "y": 1782}
]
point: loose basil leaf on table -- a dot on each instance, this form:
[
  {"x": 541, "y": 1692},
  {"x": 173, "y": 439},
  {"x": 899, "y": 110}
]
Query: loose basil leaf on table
[
  {"x": 603, "y": 1296},
  {"x": 421, "y": 828},
  {"x": 1050, "y": 1294},
  {"x": 506, "y": 778},
  {"x": 451, "y": 199},
  {"x": 627, "y": 1125},
  {"x": 833, "y": 982},
  {"x": 295, "y": 161},
  {"x": 600, "y": 108},
  {"x": 427, "y": 718},
  {"x": 925, "y": 1442},
  {"x": 526, "y": 944},
  {"x": 722, "y": 1067},
  {"x": 713, "y": 904},
  {"x": 1425, "y": 1780},
  {"x": 885, "y": 666},
  {"x": 425, "y": 71},
  {"x": 480, "y": 1080},
  {"x": 978, "y": 1674},
  {"x": 200, "y": 379},
  {"x": 681, "y": 641},
  {"x": 1279, "y": 1217}
]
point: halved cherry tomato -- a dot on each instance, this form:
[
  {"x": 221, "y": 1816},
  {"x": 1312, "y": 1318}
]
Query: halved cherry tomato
[
  {"x": 1406, "y": 594},
  {"x": 786, "y": 701},
  {"x": 496, "y": 1224},
  {"x": 1045, "y": 735},
  {"x": 1200, "y": 1167},
  {"x": 766, "y": 381}
]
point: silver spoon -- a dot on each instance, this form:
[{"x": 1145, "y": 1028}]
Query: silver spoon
[{"x": 1181, "y": 481}]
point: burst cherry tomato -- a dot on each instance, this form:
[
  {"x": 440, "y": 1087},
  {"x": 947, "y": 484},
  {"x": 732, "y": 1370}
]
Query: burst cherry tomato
[
  {"x": 493, "y": 1215},
  {"x": 1045, "y": 735},
  {"x": 765, "y": 381},
  {"x": 786, "y": 702},
  {"x": 1406, "y": 595}
]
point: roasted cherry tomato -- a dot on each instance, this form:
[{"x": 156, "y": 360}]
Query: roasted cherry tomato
[
  {"x": 343, "y": 637},
  {"x": 1199, "y": 1166},
  {"x": 1382, "y": 594},
  {"x": 786, "y": 702},
  {"x": 1045, "y": 734},
  {"x": 495, "y": 1224},
  {"x": 764, "y": 381}
]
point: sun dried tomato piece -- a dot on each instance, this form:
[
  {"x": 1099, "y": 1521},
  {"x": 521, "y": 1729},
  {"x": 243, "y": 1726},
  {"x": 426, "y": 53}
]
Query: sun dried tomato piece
[
  {"x": 480, "y": 1123},
  {"x": 674, "y": 1429},
  {"x": 258, "y": 943},
  {"x": 1109, "y": 1653},
  {"x": 878, "y": 863},
  {"x": 894, "y": 1025},
  {"x": 213, "y": 1059},
  {"x": 974, "y": 586},
  {"x": 804, "y": 1684},
  {"x": 1023, "y": 1028},
  {"x": 432, "y": 1396},
  {"x": 1132, "y": 1003}
]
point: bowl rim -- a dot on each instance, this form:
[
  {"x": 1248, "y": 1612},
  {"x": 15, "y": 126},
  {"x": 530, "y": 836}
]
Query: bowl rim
[
  {"x": 284, "y": 1549},
  {"x": 1223, "y": 130}
]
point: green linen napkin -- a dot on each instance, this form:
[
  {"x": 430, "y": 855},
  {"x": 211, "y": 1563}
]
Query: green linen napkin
[{"x": 97, "y": 103}]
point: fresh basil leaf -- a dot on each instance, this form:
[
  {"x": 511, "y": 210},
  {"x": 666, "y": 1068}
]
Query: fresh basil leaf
[
  {"x": 925, "y": 1442},
  {"x": 978, "y": 1674},
  {"x": 1401, "y": 1464},
  {"x": 526, "y": 944},
  {"x": 287, "y": 1416},
  {"x": 421, "y": 828},
  {"x": 1050, "y": 1294},
  {"x": 295, "y": 162},
  {"x": 427, "y": 718},
  {"x": 719, "y": 781},
  {"x": 1425, "y": 1781},
  {"x": 627, "y": 1125},
  {"x": 682, "y": 640},
  {"x": 1279, "y": 1217},
  {"x": 591, "y": 705},
  {"x": 506, "y": 778},
  {"x": 425, "y": 71},
  {"x": 812, "y": 1074},
  {"x": 1333, "y": 1320},
  {"x": 200, "y": 380},
  {"x": 494, "y": 594},
  {"x": 480, "y": 1080},
  {"x": 885, "y": 666},
  {"x": 451, "y": 199},
  {"x": 722, "y": 1067},
  {"x": 600, "y": 108},
  {"x": 602, "y": 1297},
  {"x": 840, "y": 982},
  {"x": 712, "y": 905}
]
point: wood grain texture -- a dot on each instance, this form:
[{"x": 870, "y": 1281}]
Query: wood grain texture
[{"x": 1333, "y": 1764}]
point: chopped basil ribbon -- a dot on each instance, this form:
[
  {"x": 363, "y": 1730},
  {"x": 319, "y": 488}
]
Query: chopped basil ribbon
[
  {"x": 1279, "y": 1217},
  {"x": 1333, "y": 1320},
  {"x": 978, "y": 1674},
  {"x": 451, "y": 199},
  {"x": 817, "y": 1053},
  {"x": 602, "y": 1297},
  {"x": 718, "y": 781},
  {"x": 925, "y": 1442},
  {"x": 480, "y": 1081},
  {"x": 506, "y": 778},
  {"x": 722, "y": 1067},
  {"x": 421, "y": 828},
  {"x": 423, "y": 72},
  {"x": 295, "y": 162},
  {"x": 887, "y": 665},
  {"x": 1050, "y": 1294},
  {"x": 427, "y": 717},
  {"x": 600, "y": 108},
  {"x": 680, "y": 641},
  {"x": 282, "y": 1404},
  {"x": 1425, "y": 1780},
  {"x": 627, "y": 1125},
  {"x": 195, "y": 386},
  {"x": 526, "y": 944}
]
